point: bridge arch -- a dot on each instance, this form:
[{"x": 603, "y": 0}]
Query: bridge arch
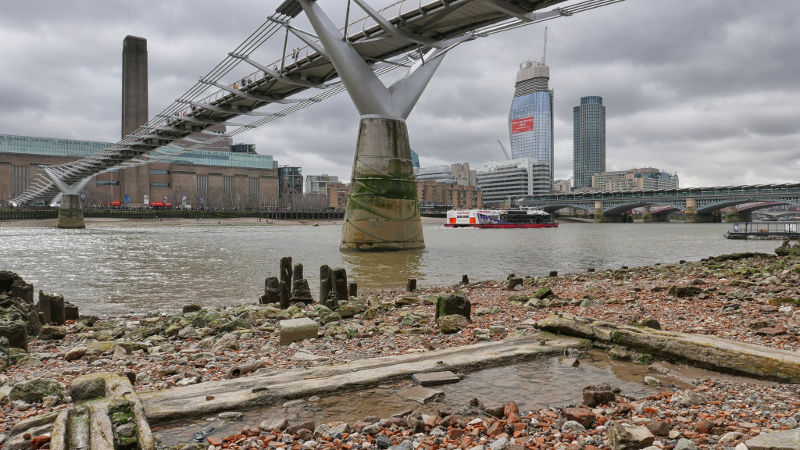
[
  {"x": 710, "y": 208},
  {"x": 619, "y": 209},
  {"x": 557, "y": 206}
]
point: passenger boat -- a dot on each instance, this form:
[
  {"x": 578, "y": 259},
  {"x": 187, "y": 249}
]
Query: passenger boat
[{"x": 499, "y": 218}]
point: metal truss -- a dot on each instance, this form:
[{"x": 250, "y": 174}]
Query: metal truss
[{"x": 410, "y": 38}]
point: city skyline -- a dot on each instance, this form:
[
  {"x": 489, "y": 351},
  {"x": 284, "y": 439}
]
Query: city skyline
[{"x": 714, "y": 101}]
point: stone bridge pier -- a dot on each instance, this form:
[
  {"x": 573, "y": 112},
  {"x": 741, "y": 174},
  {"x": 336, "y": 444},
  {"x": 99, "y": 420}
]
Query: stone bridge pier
[
  {"x": 649, "y": 217},
  {"x": 599, "y": 217},
  {"x": 692, "y": 216},
  {"x": 739, "y": 216}
]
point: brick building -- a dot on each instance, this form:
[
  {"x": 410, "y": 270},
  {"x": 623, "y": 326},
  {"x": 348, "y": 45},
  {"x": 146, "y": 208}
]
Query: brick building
[{"x": 200, "y": 178}]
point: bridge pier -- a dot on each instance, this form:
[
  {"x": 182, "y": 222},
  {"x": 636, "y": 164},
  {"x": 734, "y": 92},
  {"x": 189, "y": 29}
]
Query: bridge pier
[
  {"x": 649, "y": 217},
  {"x": 599, "y": 216},
  {"x": 70, "y": 214},
  {"x": 382, "y": 211},
  {"x": 739, "y": 216}
]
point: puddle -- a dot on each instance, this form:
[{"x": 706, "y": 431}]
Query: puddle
[{"x": 532, "y": 385}]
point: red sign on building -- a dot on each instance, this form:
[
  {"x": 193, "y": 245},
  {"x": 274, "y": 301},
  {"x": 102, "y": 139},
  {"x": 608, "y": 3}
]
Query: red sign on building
[{"x": 521, "y": 125}]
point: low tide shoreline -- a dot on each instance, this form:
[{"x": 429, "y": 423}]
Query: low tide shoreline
[{"x": 752, "y": 298}]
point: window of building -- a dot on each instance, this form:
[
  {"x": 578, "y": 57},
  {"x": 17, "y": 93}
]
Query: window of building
[
  {"x": 159, "y": 172},
  {"x": 157, "y": 184}
]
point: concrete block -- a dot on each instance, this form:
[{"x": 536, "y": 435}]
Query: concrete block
[
  {"x": 435, "y": 378},
  {"x": 296, "y": 330},
  {"x": 421, "y": 394}
]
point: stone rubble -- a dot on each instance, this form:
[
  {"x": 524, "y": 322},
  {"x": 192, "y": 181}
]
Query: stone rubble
[{"x": 746, "y": 297}]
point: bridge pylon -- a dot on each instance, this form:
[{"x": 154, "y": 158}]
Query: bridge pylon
[
  {"x": 70, "y": 214},
  {"x": 382, "y": 211}
]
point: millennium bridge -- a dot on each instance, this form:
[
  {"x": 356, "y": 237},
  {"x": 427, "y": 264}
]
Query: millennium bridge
[
  {"x": 414, "y": 35},
  {"x": 700, "y": 204}
]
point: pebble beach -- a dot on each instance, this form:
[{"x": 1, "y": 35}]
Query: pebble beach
[{"x": 752, "y": 298}]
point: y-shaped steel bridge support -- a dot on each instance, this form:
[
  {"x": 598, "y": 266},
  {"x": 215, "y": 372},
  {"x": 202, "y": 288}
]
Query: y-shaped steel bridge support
[
  {"x": 69, "y": 214},
  {"x": 382, "y": 211}
]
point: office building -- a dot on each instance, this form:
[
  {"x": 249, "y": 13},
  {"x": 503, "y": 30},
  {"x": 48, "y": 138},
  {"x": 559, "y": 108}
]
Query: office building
[
  {"x": 448, "y": 195},
  {"x": 243, "y": 148},
  {"x": 502, "y": 182},
  {"x": 562, "y": 186},
  {"x": 646, "y": 178},
  {"x": 458, "y": 173},
  {"x": 337, "y": 195},
  {"x": 589, "y": 141},
  {"x": 530, "y": 120},
  {"x": 414, "y": 159},
  {"x": 318, "y": 184}
]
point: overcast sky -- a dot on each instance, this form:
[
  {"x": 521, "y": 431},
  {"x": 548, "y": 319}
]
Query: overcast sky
[{"x": 705, "y": 88}]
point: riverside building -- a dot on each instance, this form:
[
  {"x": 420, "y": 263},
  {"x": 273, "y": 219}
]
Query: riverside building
[
  {"x": 199, "y": 178},
  {"x": 501, "y": 182},
  {"x": 646, "y": 178},
  {"x": 588, "y": 141}
]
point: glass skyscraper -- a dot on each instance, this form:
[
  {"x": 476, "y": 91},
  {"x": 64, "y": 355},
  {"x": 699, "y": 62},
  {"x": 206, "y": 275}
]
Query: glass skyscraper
[
  {"x": 530, "y": 121},
  {"x": 589, "y": 140}
]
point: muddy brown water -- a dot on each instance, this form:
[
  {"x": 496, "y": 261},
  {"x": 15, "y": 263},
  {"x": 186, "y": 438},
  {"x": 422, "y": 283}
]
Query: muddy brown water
[
  {"x": 540, "y": 383},
  {"x": 121, "y": 267}
]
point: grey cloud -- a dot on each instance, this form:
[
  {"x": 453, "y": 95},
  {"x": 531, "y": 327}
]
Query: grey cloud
[{"x": 703, "y": 87}]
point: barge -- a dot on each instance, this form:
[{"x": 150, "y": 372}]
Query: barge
[
  {"x": 499, "y": 218},
  {"x": 764, "y": 230}
]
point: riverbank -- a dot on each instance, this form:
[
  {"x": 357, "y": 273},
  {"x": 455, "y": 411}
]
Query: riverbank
[
  {"x": 101, "y": 222},
  {"x": 745, "y": 298}
]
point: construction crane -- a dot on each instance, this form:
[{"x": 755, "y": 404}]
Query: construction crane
[
  {"x": 503, "y": 148},
  {"x": 544, "y": 52}
]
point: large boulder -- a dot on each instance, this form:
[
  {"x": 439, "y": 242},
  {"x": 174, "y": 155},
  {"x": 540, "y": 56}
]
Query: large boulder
[
  {"x": 33, "y": 391},
  {"x": 296, "y": 330},
  {"x": 452, "y": 323},
  {"x": 453, "y": 304}
]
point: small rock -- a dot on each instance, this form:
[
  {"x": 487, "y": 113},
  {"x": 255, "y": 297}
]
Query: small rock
[
  {"x": 382, "y": 441},
  {"x": 452, "y": 323},
  {"x": 599, "y": 395},
  {"x": 584, "y": 416},
  {"x": 232, "y": 416},
  {"x": 75, "y": 353},
  {"x": 685, "y": 444},
  {"x": 652, "y": 381},
  {"x": 623, "y": 436},
  {"x": 274, "y": 423},
  {"x": 573, "y": 426},
  {"x": 305, "y": 434},
  {"x": 308, "y": 425}
]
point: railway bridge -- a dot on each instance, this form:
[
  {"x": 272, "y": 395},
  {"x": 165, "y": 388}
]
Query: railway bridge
[{"x": 697, "y": 204}]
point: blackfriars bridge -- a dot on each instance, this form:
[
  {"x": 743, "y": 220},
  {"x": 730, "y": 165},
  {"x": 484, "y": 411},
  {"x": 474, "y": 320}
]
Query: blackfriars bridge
[{"x": 697, "y": 204}]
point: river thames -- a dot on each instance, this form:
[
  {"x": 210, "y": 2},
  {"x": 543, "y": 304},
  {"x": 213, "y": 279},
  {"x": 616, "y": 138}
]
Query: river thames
[{"x": 123, "y": 267}]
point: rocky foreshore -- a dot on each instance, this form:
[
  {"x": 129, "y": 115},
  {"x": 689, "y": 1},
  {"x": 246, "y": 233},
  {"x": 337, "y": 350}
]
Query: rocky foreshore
[{"x": 752, "y": 298}]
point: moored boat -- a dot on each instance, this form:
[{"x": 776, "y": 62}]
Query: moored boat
[{"x": 499, "y": 218}]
